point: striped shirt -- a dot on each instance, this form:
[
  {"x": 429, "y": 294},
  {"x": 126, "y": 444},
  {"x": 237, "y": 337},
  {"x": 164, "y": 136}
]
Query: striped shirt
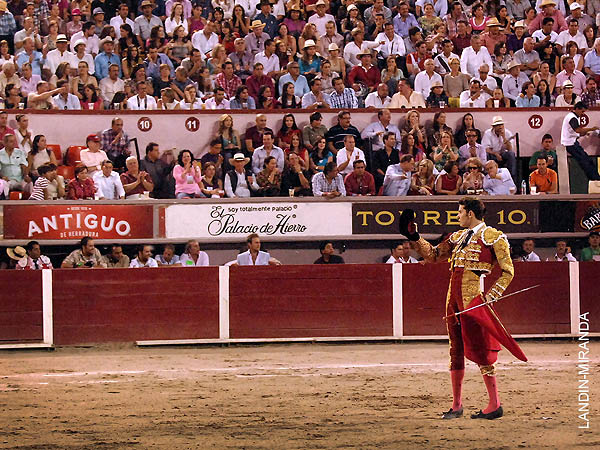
[
  {"x": 346, "y": 100},
  {"x": 40, "y": 186}
]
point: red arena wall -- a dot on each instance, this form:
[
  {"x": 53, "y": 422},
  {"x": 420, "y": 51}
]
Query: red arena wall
[{"x": 20, "y": 305}]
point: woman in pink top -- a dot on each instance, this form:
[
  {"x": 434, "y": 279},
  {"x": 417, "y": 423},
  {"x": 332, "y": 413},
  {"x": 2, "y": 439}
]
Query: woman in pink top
[{"x": 187, "y": 176}]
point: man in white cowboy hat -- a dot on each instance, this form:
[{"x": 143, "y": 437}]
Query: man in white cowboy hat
[
  {"x": 390, "y": 42},
  {"x": 474, "y": 56},
  {"x": 548, "y": 9},
  {"x": 320, "y": 18},
  {"x": 424, "y": 79},
  {"x": 79, "y": 55},
  {"x": 240, "y": 182},
  {"x": 33, "y": 259},
  {"x": 497, "y": 141},
  {"x": 267, "y": 18},
  {"x": 357, "y": 46},
  {"x": 255, "y": 40},
  {"x": 206, "y": 39},
  {"x": 59, "y": 55},
  {"x": 513, "y": 82},
  {"x": 331, "y": 36},
  {"x": 145, "y": 22},
  {"x": 88, "y": 35}
]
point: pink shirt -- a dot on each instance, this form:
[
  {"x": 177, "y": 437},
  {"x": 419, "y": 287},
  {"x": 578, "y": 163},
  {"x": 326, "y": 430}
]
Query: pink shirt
[{"x": 188, "y": 183}]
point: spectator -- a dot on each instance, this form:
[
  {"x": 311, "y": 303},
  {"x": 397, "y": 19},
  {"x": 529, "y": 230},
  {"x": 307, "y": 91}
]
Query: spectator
[
  {"x": 563, "y": 252},
  {"x": 86, "y": 256},
  {"x": 59, "y": 55},
  {"x": 316, "y": 98},
  {"x": 497, "y": 100},
  {"x": 267, "y": 149},
  {"x": 348, "y": 155},
  {"x": 228, "y": 80},
  {"x": 269, "y": 179},
  {"x": 258, "y": 79},
  {"x": 364, "y": 77},
  {"x": 413, "y": 126},
  {"x": 513, "y": 82},
  {"x": 592, "y": 253},
  {"x": 376, "y": 130},
  {"x": 92, "y": 157},
  {"x": 314, "y": 131},
  {"x": 547, "y": 151},
  {"x": 329, "y": 183},
  {"x": 591, "y": 96},
  {"x": 122, "y": 18},
  {"x": 168, "y": 258},
  {"x": 47, "y": 174},
  {"x": 242, "y": 99},
  {"x": 5, "y": 129},
  {"x": 437, "y": 97},
  {"x": 33, "y": 260},
  {"x": 570, "y": 133},
  {"x": 331, "y": 36},
  {"x": 295, "y": 178},
  {"x": 397, "y": 181},
  {"x": 379, "y": 98},
  {"x": 211, "y": 185},
  {"x": 256, "y": 39},
  {"x": 146, "y": 22},
  {"x": 82, "y": 186},
  {"x": 240, "y": 181},
  {"x": 571, "y": 74},
  {"x": 39, "y": 154},
  {"x": 356, "y": 47},
  {"x": 449, "y": 182},
  {"x": 498, "y": 181},
  {"x": 327, "y": 254},
  {"x": 497, "y": 144},
  {"x": 115, "y": 259},
  {"x": 297, "y": 148},
  {"x": 193, "y": 256},
  {"x": 13, "y": 165},
  {"x": 568, "y": 98},
  {"x": 455, "y": 82},
  {"x": 293, "y": 76},
  {"x": 336, "y": 134},
  {"x": 309, "y": 63},
  {"x": 423, "y": 179},
  {"x": 320, "y": 156},
  {"x": 8, "y": 26},
  {"x": 111, "y": 85},
  {"x": 548, "y": 9},
  {"x": 467, "y": 123},
  {"x": 474, "y": 56},
  {"x": 90, "y": 99},
  {"x": 400, "y": 253},
  {"x": 141, "y": 101},
  {"x": 144, "y": 257},
  {"x": 406, "y": 97},
  {"x": 425, "y": 79},
  {"x": 30, "y": 56},
  {"x": 528, "y": 99},
  {"x": 135, "y": 182},
  {"x": 338, "y": 65},
  {"x": 105, "y": 58},
  {"x": 528, "y": 251},
  {"x": 115, "y": 142},
  {"x": 108, "y": 183},
  {"x": 359, "y": 182},
  {"x": 342, "y": 97},
  {"x": 527, "y": 57},
  {"x": 474, "y": 97},
  {"x": 155, "y": 166},
  {"x": 472, "y": 149},
  {"x": 288, "y": 99},
  {"x": 254, "y": 256},
  {"x": 445, "y": 152},
  {"x": 187, "y": 176},
  {"x": 254, "y": 135},
  {"x": 191, "y": 100},
  {"x": 543, "y": 180}
]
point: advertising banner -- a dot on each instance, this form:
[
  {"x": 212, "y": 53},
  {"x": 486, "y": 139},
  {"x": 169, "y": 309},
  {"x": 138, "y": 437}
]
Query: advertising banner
[
  {"x": 587, "y": 216},
  {"x": 267, "y": 219},
  {"x": 439, "y": 218},
  {"x": 41, "y": 222}
]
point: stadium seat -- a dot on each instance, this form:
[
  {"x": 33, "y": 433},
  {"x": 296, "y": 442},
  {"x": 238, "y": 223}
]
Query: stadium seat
[
  {"x": 67, "y": 172},
  {"x": 73, "y": 154},
  {"x": 15, "y": 195},
  {"x": 57, "y": 152}
]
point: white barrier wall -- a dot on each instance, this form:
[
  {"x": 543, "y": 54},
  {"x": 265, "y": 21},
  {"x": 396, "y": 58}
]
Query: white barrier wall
[{"x": 193, "y": 130}]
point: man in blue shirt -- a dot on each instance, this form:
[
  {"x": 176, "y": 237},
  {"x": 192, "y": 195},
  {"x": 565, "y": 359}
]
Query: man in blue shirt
[
  {"x": 30, "y": 55},
  {"x": 398, "y": 177},
  {"x": 8, "y": 26},
  {"x": 268, "y": 19},
  {"x": 404, "y": 20},
  {"x": 293, "y": 76},
  {"x": 106, "y": 58}
]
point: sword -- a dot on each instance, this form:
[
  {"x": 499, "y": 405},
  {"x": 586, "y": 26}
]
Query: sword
[{"x": 491, "y": 301}]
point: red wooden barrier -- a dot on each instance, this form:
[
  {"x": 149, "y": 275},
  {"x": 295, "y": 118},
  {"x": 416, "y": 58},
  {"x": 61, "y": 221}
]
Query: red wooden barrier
[
  {"x": 546, "y": 310},
  {"x": 104, "y": 305},
  {"x": 20, "y": 305},
  {"x": 310, "y": 301},
  {"x": 589, "y": 293}
]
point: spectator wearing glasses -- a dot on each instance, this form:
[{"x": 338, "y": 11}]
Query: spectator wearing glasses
[{"x": 472, "y": 149}]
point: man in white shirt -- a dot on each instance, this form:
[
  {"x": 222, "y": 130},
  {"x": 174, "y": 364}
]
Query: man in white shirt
[
  {"x": 144, "y": 258},
  {"x": 346, "y": 156},
  {"x": 391, "y": 43},
  {"x": 217, "y": 101},
  {"x": 320, "y": 18},
  {"x": 121, "y": 18},
  {"x": 206, "y": 39},
  {"x": 401, "y": 254},
  {"x": 571, "y": 130},
  {"x": 379, "y": 98},
  {"x": 497, "y": 143},
  {"x": 442, "y": 60},
  {"x": 545, "y": 35},
  {"x": 474, "y": 56},
  {"x": 397, "y": 181},
  {"x": 267, "y": 149},
  {"x": 528, "y": 251},
  {"x": 193, "y": 256},
  {"x": 563, "y": 252},
  {"x": 28, "y": 31},
  {"x": 512, "y": 85},
  {"x": 239, "y": 182},
  {"x": 425, "y": 78},
  {"x": 269, "y": 59},
  {"x": 108, "y": 183},
  {"x": 376, "y": 130},
  {"x": 92, "y": 157},
  {"x": 474, "y": 97},
  {"x": 498, "y": 181},
  {"x": 110, "y": 85},
  {"x": 471, "y": 149},
  {"x": 488, "y": 84},
  {"x": 406, "y": 97},
  {"x": 88, "y": 35},
  {"x": 59, "y": 54},
  {"x": 141, "y": 101},
  {"x": 64, "y": 99},
  {"x": 571, "y": 34},
  {"x": 254, "y": 256}
]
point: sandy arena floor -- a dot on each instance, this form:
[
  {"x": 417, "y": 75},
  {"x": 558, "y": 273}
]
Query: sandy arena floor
[{"x": 369, "y": 396}]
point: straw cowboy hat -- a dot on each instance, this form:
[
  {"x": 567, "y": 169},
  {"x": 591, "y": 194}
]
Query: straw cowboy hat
[
  {"x": 497, "y": 120},
  {"x": 493, "y": 22},
  {"x": 513, "y": 64},
  {"x": 548, "y": 3},
  {"x": 309, "y": 43},
  {"x": 239, "y": 157},
  {"x": 519, "y": 24},
  {"x": 257, "y": 24},
  {"x": 16, "y": 253}
]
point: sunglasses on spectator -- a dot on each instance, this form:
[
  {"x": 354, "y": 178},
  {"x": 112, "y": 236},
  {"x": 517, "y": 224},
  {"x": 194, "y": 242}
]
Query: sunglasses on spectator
[{"x": 473, "y": 168}]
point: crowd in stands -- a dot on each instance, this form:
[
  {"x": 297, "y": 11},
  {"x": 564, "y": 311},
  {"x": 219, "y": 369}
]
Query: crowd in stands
[{"x": 86, "y": 255}]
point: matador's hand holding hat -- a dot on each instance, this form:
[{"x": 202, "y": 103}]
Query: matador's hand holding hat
[{"x": 408, "y": 226}]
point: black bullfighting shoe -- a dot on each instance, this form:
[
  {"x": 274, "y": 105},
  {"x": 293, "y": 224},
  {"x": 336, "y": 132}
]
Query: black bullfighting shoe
[
  {"x": 490, "y": 416},
  {"x": 451, "y": 414}
]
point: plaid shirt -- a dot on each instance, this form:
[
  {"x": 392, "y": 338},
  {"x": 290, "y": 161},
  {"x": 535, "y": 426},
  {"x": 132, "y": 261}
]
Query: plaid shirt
[
  {"x": 230, "y": 86},
  {"x": 320, "y": 185},
  {"x": 590, "y": 100},
  {"x": 346, "y": 100},
  {"x": 119, "y": 148},
  {"x": 41, "y": 12},
  {"x": 7, "y": 24}
]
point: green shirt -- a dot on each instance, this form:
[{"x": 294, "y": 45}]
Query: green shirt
[
  {"x": 552, "y": 153},
  {"x": 588, "y": 253}
]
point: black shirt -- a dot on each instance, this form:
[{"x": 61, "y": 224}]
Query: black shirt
[
  {"x": 336, "y": 135},
  {"x": 333, "y": 259}
]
